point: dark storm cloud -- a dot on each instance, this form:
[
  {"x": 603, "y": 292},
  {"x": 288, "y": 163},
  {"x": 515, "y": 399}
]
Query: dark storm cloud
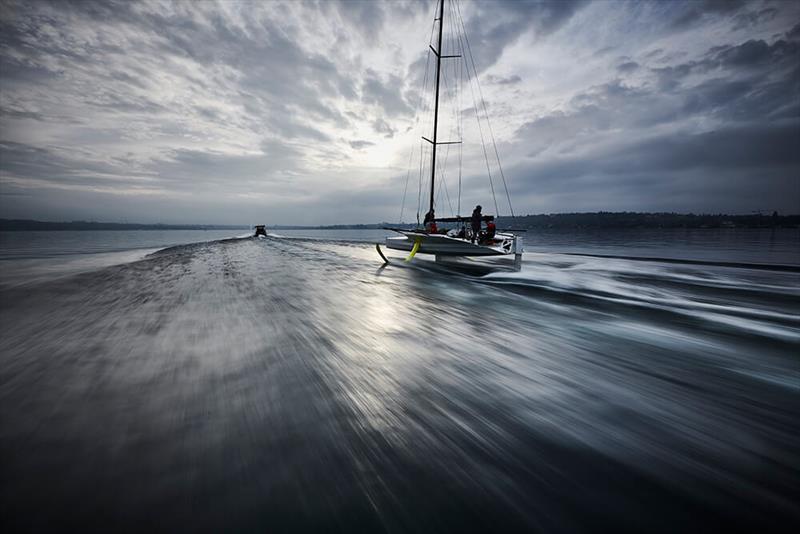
[
  {"x": 750, "y": 19},
  {"x": 495, "y": 25},
  {"x": 63, "y": 167},
  {"x": 696, "y": 12},
  {"x": 744, "y": 148},
  {"x": 750, "y": 91},
  {"x": 627, "y": 67},
  {"x": 386, "y": 93},
  {"x": 755, "y": 53},
  {"x": 32, "y": 162},
  {"x": 610, "y": 106},
  {"x": 22, "y": 114},
  {"x": 794, "y": 33},
  {"x": 750, "y": 81},
  {"x": 736, "y": 167},
  {"x": 752, "y": 58}
]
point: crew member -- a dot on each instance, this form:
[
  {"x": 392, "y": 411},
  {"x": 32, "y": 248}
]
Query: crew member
[
  {"x": 430, "y": 222},
  {"x": 476, "y": 222},
  {"x": 491, "y": 230}
]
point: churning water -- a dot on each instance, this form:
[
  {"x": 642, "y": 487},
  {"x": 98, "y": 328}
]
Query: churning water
[{"x": 291, "y": 384}]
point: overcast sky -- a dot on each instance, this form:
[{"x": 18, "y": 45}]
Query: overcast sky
[{"x": 306, "y": 112}]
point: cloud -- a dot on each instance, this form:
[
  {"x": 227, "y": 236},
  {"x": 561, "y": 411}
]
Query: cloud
[
  {"x": 695, "y": 13},
  {"x": 603, "y": 51},
  {"x": 386, "y": 93},
  {"x": 501, "y": 80},
  {"x": 733, "y": 167},
  {"x": 627, "y": 67},
  {"x": 794, "y": 33},
  {"x": 725, "y": 125},
  {"x": 493, "y": 26},
  {"x": 382, "y": 127},
  {"x": 367, "y": 16},
  {"x": 359, "y": 144},
  {"x": 759, "y": 82},
  {"x": 218, "y": 111},
  {"x": 746, "y": 59},
  {"x": 750, "y": 19}
]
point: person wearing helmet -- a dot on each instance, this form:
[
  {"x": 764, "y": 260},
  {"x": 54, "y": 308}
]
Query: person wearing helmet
[{"x": 476, "y": 222}]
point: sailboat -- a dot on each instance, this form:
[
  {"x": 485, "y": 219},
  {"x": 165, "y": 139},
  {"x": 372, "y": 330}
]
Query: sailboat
[{"x": 453, "y": 243}]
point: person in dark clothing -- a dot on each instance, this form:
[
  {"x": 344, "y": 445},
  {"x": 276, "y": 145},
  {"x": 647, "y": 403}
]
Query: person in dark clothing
[
  {"x": 430, "y": 222},
  {"x": 476, "y": 222}
]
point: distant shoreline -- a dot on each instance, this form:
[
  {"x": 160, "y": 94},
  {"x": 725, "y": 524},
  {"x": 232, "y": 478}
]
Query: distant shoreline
[{"x": 598, "y": 220}]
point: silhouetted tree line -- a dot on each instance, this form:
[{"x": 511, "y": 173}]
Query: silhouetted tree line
[
  {"x": 627, "y": 219},
  {"x": 601, "y": 219},
  {"x": 605, "y": 219}
]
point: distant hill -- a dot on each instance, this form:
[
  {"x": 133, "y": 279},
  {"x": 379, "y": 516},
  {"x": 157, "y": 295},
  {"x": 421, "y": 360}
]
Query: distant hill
[{"x": 25, "y": 224}]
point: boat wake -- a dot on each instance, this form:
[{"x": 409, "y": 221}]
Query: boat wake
[
  {"x": 240, "y": 384},
  {"x": 732, "y": 298}
]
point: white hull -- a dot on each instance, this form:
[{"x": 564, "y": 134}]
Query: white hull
[{"x": 443, "y": 245}]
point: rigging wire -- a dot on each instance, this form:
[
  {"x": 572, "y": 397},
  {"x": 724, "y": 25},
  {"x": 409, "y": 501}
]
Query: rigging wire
[
  {"x": 480, "y": 128},
  {"x": 419, "y": 192},
  {"x": 454, "y": 101},
  {"x": 443, "y": 163},
  {"x": 459, "y": 115},
  {"x": 442, "y": 179},
  {"x": 460, "y": 46},
  {"x": 455, "y": 126},
  {"x": 416, "y": 122},
  {"x": 405, "y": 187},
  {"x": 485, "y": 111},
  {"x": 428, "y": 119},
  {"x": 452, "y": 92}
]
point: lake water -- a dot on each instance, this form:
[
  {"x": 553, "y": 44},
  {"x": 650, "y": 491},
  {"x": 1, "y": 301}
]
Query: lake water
[
  {"x": 292, "y": 384},
  {"x": 766, "y": 246},
  {"x": 37, "y": 256},
  {"x": 742, "y": 245}
]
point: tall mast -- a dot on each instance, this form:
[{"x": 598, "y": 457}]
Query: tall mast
[{"x": 438, "y": 53}]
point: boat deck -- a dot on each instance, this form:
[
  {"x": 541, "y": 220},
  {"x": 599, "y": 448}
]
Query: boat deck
[{"x": 444, "y": 245}]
